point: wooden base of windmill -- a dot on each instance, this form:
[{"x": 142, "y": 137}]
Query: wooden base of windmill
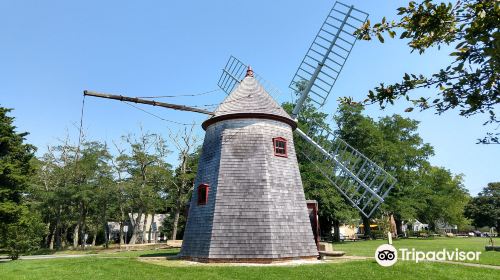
[{"x": 249, "y": 260}]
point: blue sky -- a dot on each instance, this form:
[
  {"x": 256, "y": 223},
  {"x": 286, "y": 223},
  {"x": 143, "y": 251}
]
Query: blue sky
[{"x": 52, "y": 50}]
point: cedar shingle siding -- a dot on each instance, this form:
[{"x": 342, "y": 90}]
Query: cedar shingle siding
[{"x": 256, "y": 207}]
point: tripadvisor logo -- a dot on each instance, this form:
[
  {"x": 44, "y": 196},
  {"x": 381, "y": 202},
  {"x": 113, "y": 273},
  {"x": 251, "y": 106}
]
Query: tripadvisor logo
[{"x": 387, "y": 255}]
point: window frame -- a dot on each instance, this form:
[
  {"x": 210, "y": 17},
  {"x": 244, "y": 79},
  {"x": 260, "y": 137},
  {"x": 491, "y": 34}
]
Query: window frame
[
  {"x": 203, "y": 200},
  {"x": 280, "y": 139}
]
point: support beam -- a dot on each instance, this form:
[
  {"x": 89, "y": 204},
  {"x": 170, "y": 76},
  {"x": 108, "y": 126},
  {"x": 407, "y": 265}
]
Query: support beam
[{"x": 148, "y": 102}]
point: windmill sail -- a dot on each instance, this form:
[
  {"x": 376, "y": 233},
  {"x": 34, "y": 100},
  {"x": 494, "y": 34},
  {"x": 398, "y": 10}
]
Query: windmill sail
[
  {"x": 235, "y": 71},
  {"x": 327, "y": 54},
  {"x": 361, "y": 181}
]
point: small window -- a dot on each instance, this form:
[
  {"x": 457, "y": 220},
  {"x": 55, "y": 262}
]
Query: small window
[
  {"x": 202, "y": 194},
  {"x": 280, "y": 147}
]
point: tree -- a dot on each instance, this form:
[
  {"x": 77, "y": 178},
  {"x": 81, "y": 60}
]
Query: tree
[
  {"x": 146, "y": 151},
  {"x": 186, "y": 143},
  {"x": 97, "y": 190},
  {"x": 444, "y": 197},
  {"x": 71, "y": 191},
  {"x": 471, "y": 81},
  {"x": 394, "y": 144},
  {"x": 15, "y": 169},
  {"x": 484, "y": 209},
  {"x": 19, "y": 229},
  {"x": 26, "y": 234}
]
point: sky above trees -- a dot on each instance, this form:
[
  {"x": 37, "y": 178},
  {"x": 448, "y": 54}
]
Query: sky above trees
[{"x": 51, "y": 52}]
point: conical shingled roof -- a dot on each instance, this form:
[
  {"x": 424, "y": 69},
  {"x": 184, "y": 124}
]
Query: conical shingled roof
[{"x": 250, "y": 100}]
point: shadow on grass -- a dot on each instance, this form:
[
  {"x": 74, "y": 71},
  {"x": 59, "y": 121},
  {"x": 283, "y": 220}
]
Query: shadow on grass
[{"x": 168, "y": 255}]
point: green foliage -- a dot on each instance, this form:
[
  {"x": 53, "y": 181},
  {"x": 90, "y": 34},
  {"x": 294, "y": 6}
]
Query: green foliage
[
  {"x": 146, "y": 175},
  {"x": 15, "y": 169},
  {"x": 378, "y": 234},
  {"x": 182, "y": 184},
  {"x": 25, "y": 235},
  {"x": 431, "y": 194},
  {"x": 394, "y": 144},
  {"x": 168, "y": 223},
  {"x": 471, "y": 81},
  {"x": 484, "y": 209},
  {"x": 72, "y": 188},
  {"x": 444, "y": 197},
  {"x": 15, "y": 172}
]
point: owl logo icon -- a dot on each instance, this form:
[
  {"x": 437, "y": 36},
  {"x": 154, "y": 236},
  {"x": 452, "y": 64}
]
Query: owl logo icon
[{"x": 386, "y": 255}]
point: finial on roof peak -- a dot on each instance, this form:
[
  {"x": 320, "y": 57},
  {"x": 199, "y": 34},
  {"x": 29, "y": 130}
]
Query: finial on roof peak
[{"x": 249, "y": 72}]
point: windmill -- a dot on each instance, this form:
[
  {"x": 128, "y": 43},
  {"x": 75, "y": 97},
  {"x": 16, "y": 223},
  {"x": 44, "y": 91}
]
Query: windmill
[{"x": 248, "y": 203}]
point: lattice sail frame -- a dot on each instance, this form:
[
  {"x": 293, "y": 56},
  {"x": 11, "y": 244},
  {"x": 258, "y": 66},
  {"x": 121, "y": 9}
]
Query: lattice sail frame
[
  {"x": 362, "y": 182},
  {"x": 328, "y": 52},
  {"x": 235, "y": 71}
]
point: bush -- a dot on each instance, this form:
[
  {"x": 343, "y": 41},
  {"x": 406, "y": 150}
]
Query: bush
[
  {"x": 378, "y": 234},
  {"x": 25, "y": 235}
]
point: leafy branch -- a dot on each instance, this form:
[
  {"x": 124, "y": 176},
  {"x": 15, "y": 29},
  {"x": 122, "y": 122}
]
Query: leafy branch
[{"x": 470, "y": 82}]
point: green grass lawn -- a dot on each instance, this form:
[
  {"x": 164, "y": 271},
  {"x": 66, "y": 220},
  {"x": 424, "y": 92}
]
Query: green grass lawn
[
  {"x": 127, "y": 265},
  {"x": 367, "y": 248}
]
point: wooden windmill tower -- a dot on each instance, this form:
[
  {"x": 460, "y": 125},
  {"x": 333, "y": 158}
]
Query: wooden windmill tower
[
  {"x": 249, "y": 204},
  {"x": 248, "y": 201}
]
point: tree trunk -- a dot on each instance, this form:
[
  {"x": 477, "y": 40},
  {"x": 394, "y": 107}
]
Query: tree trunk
[
  {"x": 122, "y": 224},
  {"x": 367, "y": 229},
  {"x": 151, "y": 228},
  {"x": 83, "y": 229},
  {"x": 94, "y": 238},
  {"x": 105, "y": 227},
  {"x": 135, "y": 228},
  {"x": 399, "y": 226},
  {"x": 336, "y": 229},
  {"x": 175, "y": 223},
  {"x": 47, "y": 238},
  {"x": 52, "y": 238},
  {"x": 64, "y": 236},
  {"x": 58, "y": 229},
  {"x": 144, "y": 226},
  {"x": 122, "y": 241},
  {"x": 432, "y": 226},
  {"x": 178, "y": 203},
  {"x": 75, "y": 235},
  {"x": 59, "y": 244}
]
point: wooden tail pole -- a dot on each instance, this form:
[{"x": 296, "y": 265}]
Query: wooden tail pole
[{"x": 148, "y": 102}]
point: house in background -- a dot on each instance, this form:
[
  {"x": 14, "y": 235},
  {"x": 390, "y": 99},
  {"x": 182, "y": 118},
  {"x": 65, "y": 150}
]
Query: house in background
[
  {"x": 418, "y": 226},
  {"x": 150, "y": 234},
  {"x": 444, "y": 227}
]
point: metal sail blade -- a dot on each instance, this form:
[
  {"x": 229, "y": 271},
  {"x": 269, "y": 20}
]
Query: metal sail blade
[
  {"x": 362, "y": 182},
  {"x": 327, "y": 55},
  {"x": 235, "y": 71}
]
